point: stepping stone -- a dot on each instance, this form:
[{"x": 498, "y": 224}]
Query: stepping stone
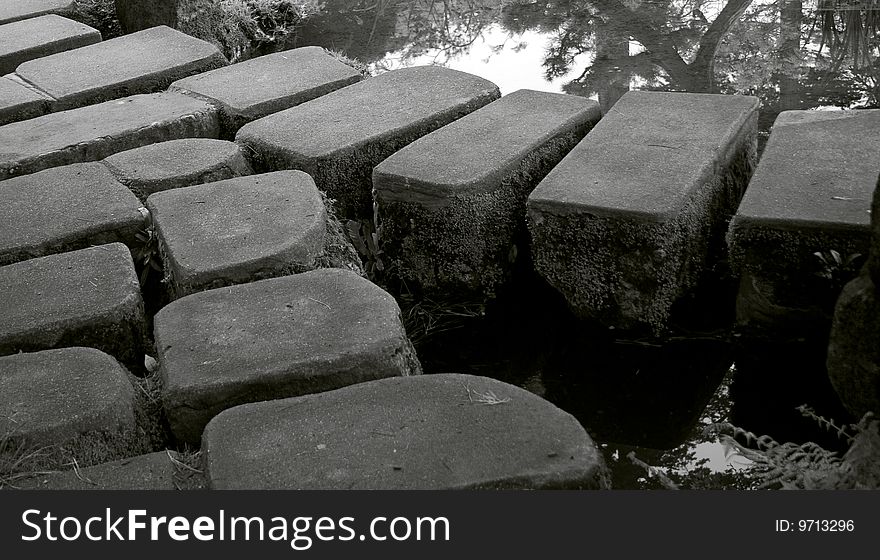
[
  {"x": 14, "y": 10},
  {"x": 452, "y": 204},
  {"x": 239, "y": 230},
  {"x": 810, "y": 193},
  {"x": 629, "y": 221},
  {"x": 19, "y": 102},
  {"x": 66, "y": 208},
  {"x": 340, "y": 137},
  {"x": 78, "y": 399},
  {"x": 429, "y": 432},
  {"x": 261, "y": 86},
  {"x": 89, "y": 297},
  {"x": 95, "y": 132},
  {"x": 177, "y": 163},
  {"x": 142, "y": 62},
  {"x": 272, "y": 339},
  {"x": 154, "y": 471},
  {"x": 41, "y": 36}
]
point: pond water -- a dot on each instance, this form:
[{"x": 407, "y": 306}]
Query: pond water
[{"x": 651, "y": 396}]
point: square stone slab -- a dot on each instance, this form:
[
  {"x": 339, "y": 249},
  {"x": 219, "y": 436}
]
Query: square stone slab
[
  {"x": 275, "y": 338},
  {"x": 258, "y": 87},
  {"x": 41, "y": 36},
  {"x": 239, "y": 230},
  {"x": 89, "y": 297},
  {"x": 19, "y": 102},
  {"x": 14, "y": 10},
  {"x": 428, "y": 432},
  {"x": 66, "y": 208}
]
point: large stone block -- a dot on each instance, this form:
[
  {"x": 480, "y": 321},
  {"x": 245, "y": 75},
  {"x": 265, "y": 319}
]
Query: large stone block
[
  {"x": 272, "y": 339},
  {"x": 239, "y": 230},
  {"x": 41, "y": 36},
  {"x": 92, "y": 133},
  {"x": 89, "y": 297},
  {"x": 452, "y": 205},
  {"x": 19, "y": 102},
  {"x": 627, "y": 223},
  {"x": 177, "y": 163},
  {"x": 258, "y": 87},
  {"x": 810, "y": 194},
  {"x": 66, "y": 208},
  {"x": 143, "y": 62},
  {"x": 428, "y": 432},
  {"x": 137, "y": 15},
  {"x": 15, "y": 10},
  {"x": 340, "y": 137}
]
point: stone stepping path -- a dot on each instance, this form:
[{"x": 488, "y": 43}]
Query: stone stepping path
[
  {"x": 810, "y": 193},
  {"x": 142, "y": 62},
  {"x": 452, "y": 204},
  {"x": 623, "y": 226},
  {"x": 15, "y": 10},
  {"x": 239, "y": 230},
  {"x": 19, "y": 102},
  {"x": 443, "y": 431},
  {"x": 66, "y": 208},
  {"x": 92, "y": 133},
  {"x": 340, "y": 137},
  {"x": 78, "y": 400},
  {"x": 177, "y": 163},
  {"x": 264, "y": 85},
  {"x": 89, "y": 297},
  {"x": 272, "y": 339},
  {"x": 41, "y": 36}
]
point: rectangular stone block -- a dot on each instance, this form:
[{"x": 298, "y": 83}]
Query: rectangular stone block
[
  {"x": 811, "y": 193},
  {"x": 627, "y": 222},
  {"x": 92, "y": 133},
  {"x": 452, "y": 205},
  {"x": 143, "y": 62},
  {"x": 41, "y": 36},
  {"x": 15, "y": 10},
  {"x": 340, "y": 137},
  {"x": 19, "y": 102},
  {"x": 258, "y": 87},
  {"x": 89, "y": 297},
  {"x": 66, "y": 208}
]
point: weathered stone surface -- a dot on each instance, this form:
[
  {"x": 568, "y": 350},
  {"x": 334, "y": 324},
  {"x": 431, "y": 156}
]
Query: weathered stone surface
[
  {"x": 452, "y": 204},
  {"x": 425, "y": 432},
  {"x": 275, "y": 338},
  {"x": 89, "y": 297},
  {"x": 97, "y": 131},
  {"x": 41, "y": 36},
  {"x": 154, "y": 471},
  {"x": 628, "y": 221},
  {"x": 79, "y": 399},
  {"x": 239, "y": 230},
  {"x": 340, "y": 137},
  {"x": 136, "y": 15},
  {"x": 810, "y": 193},
  {"x": 18, "y": 102},
  {"x": 15, "y": 10},
  {"x": 261, "y": 86},
  {"x": 143, "y": 62},
  {"x": 177, "y": 163},
  {"x": 63, "y": 209}
]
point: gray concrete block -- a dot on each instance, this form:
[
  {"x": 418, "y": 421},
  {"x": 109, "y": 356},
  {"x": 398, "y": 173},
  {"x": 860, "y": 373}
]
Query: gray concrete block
[
  {"x": 19, "y": 102},
  {"x": 41, "y": 36},
  {"x": 15, "y": 10}
]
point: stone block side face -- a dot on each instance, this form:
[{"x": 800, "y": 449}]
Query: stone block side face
[
  {"x": 628, "y": 272},
  {"x": 137, "y": 15},
  {"x": 89, "y": 297},
  {"x": 42, "y": 36},
  {"x": 19, "y": 103}
]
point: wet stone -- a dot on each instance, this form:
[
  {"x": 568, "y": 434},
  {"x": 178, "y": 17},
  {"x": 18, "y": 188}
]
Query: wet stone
[
  {"x": 177, "y": 163},
  {"x": 15, "y": 10},
  {"x": 452, "y": 204},
  {"x": 629, "y": 221},
  {"x": 810, "y": 193},
  {"x": 428, "y": 432},
  {"x": 19, "y": 102},
  {"x": 239, "y": 230},
  {"x": 77, "y": 399},
  {"x": 92, "y": 133},
  {"x": 340, "y": 137},
  {"x": 142, "y": 62},
  {"x": 41, "y": 36},
  {"x": 264, "y": 85},
  {"x": 66, "y": 208},
  {"x": 89, "y": 297},
  {"x": 273, "y": 339}
]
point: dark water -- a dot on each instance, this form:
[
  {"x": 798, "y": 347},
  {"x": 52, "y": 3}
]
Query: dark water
[{"x": 649, "y": 395}]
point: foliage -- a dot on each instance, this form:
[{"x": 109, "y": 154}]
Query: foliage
[{"x": 837, "y": 270}]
